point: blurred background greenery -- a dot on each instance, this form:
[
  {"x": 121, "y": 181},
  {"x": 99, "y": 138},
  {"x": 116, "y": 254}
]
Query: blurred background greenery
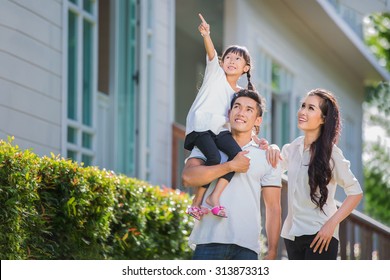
[{"x": 377, "y": 119}]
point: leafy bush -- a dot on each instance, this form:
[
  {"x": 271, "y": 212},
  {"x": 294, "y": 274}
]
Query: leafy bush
[
  {"x": 20, "y": 222},
  {"x": 54, "y": 208},
  {"x": 158, "y": 227}
]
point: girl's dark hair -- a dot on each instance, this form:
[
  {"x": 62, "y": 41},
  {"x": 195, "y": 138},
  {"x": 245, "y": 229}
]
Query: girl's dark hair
[
  {"x": 320, "y": 169},
  {"x": 241, "y": 51}
]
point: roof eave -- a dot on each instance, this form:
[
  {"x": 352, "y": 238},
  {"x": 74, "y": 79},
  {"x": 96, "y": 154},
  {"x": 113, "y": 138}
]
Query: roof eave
[{"x": 331, "y": 29}]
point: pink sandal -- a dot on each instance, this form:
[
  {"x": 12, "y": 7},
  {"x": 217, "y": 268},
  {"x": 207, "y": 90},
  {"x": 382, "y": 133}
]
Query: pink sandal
[
  {"x": 219, "y": 211},
  {"x": 194, "y": 212}
]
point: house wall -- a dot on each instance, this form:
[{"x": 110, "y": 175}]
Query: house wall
[
  {"x": 161, "y": 91},
  {"x": 30, "y": 74},
  {"x": 31, "y": 81},
  {"x": 271, "y": 28}
]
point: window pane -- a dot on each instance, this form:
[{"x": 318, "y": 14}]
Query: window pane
[
  {"x": 126, "y": 111},
  {"x": 87, "y": 140},
  {"x": 275, "y": 78},
  {"x": 72, "y": 135},
  {"x": 88, "y": 5},
  {"x": 285, "y": 123},
  {"x": 87, "y": 160},
  {"x": 104, "y": 47},
  {"x": 72, "y": 155},
  {"x": 81, "y": 81},
  {"x": 87, "y": 73},
  {"x": 72, "y": 66}
]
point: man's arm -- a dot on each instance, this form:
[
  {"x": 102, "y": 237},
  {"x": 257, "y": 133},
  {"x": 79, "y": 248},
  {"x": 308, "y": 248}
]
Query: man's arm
[
  {"x": 273, "y": 219},
  {"x": 196, "y": 174}
]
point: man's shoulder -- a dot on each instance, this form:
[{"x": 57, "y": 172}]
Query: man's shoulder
[
  {"x": 260, "y": 164},
  {"x": 256, "y": 151},
  {"x": 259, "y": 161}
]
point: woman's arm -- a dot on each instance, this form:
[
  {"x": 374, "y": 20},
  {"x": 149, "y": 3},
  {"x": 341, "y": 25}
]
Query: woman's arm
[
  {"x": 323, "y": 237},
  {"x": 346, "y": 179}
]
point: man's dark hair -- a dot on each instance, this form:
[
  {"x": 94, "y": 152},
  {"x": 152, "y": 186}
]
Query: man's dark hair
[{"x": 260, "y": 101}]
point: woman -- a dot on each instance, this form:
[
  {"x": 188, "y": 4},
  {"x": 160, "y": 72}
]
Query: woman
[{"x": 315, "y": 167}]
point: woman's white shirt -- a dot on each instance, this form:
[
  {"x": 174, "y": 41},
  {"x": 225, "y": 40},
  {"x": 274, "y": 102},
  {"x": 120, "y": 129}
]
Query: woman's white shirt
[{"x": 304, "y": 217}]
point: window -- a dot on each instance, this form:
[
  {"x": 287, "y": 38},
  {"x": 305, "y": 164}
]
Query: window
[
  {"x": 104, "y": 47},
  {"x": 276, "y": 86},
  {"x": 127, "y": 83},
  {"x": 81, "y": 32},
  {"x": 280, "y": 107}
]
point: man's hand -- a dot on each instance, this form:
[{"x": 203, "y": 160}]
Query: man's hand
[
  {"x": 270, "y": 256},
  {"x": 240, "y": 163}
]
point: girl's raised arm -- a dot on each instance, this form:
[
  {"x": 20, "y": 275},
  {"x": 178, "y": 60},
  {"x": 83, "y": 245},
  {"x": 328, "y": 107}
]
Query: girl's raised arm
[{"x": 204, "y": 29}]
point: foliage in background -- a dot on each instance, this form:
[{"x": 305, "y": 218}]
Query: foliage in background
[
  {"x": 377, "y": 155},
  {"x": 377, "y": 183},
  {"x": 377, "y": 36},
  {"x": 52, "y": 208},
  {"x": 377, "y": 113}
]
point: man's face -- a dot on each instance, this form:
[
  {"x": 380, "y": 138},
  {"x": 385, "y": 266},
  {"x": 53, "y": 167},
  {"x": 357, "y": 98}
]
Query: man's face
[{"x": 244, "y": 115}]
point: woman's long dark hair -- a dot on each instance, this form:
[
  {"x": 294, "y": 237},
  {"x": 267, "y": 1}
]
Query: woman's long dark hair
[
  {"x": 320, "y": 169},
  {"x": 242, "y": 51}
]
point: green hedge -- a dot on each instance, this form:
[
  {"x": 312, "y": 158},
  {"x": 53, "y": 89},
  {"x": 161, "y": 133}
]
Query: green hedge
[{"x": 52, "y": 208}]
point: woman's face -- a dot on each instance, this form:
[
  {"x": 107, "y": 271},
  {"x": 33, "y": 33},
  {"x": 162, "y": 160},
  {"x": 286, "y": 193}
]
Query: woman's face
[{"x": 309, "y": 115}]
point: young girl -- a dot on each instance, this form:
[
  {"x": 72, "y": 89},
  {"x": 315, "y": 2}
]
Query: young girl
[{"x": 206, "y": 125}]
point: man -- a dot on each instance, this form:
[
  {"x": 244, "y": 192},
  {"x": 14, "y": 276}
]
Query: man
[{"x": 238, "y": 236}]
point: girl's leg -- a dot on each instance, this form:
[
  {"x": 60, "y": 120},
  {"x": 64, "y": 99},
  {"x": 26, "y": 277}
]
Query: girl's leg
[
  {"x": 213, "y": 198},
  {"x": 206, "y": 144},
  {"x": 198, "y": 198},
  {"x": 226, "y": 143},
  {"x": 196, "y": 210}
]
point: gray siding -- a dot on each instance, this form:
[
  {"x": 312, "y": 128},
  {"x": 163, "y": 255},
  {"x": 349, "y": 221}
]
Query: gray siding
[{"x": 30, "y": 76}]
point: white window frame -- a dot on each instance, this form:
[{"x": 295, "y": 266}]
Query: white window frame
[
  {"x": 284, "y": 94},
  {"x": 77, "y": 124}
]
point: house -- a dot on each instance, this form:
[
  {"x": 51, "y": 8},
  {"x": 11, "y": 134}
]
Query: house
[{"x": 109, "y": 83}]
